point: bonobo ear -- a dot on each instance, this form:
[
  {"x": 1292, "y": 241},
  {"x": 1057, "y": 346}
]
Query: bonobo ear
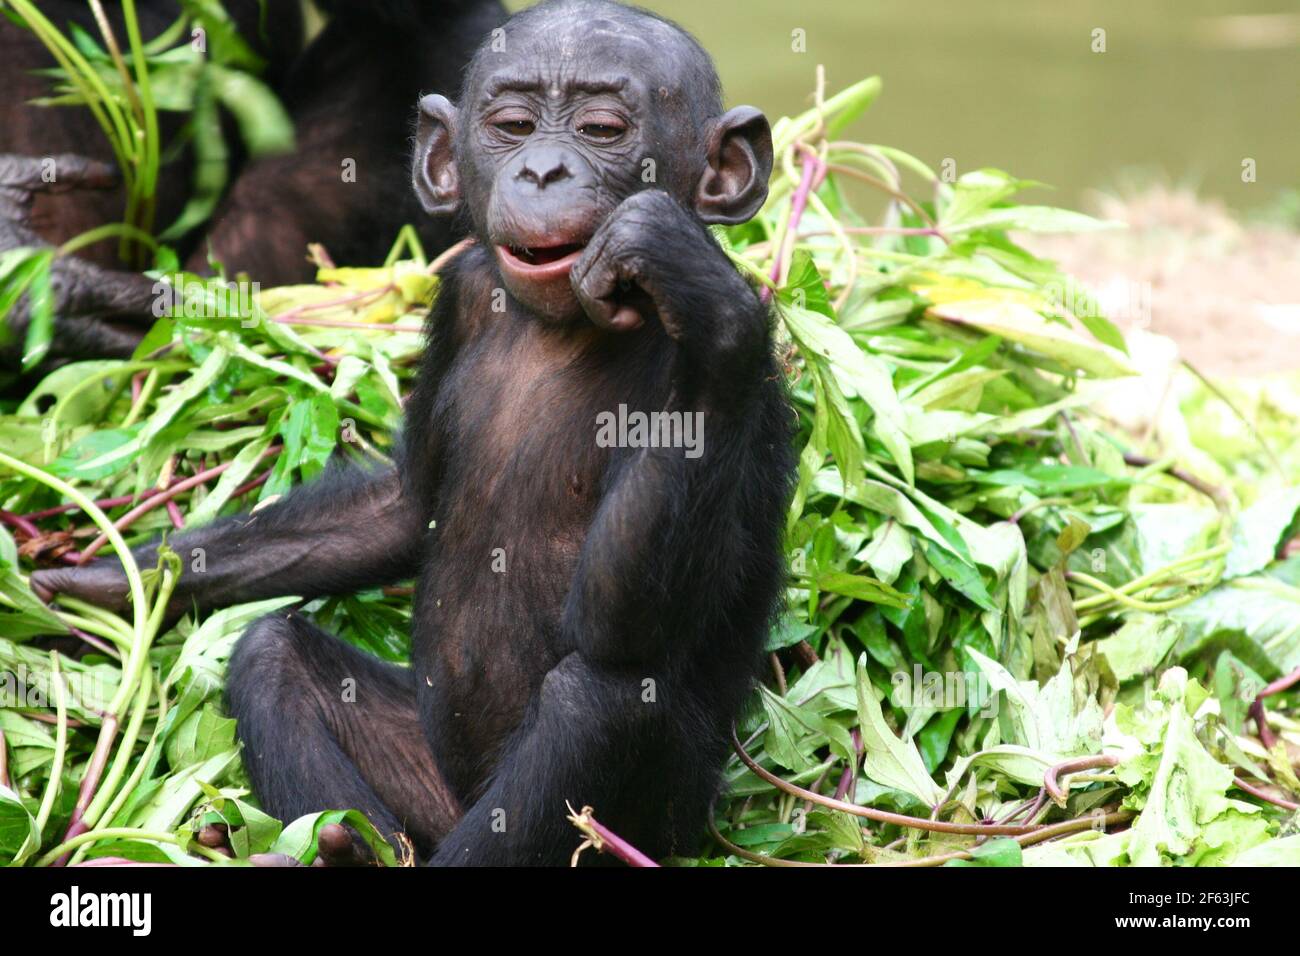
[
  {"x": 734, "y": 185},
  {"x": 433, "y": 172}
]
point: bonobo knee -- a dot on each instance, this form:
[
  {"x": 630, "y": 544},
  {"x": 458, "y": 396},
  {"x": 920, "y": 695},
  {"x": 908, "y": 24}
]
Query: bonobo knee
[
  {"x": 592, "y": 694},
  {"x": 262, "y": 654}
]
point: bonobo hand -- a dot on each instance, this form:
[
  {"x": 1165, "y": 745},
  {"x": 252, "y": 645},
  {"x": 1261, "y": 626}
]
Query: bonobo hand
[
  {"x": 90, "y": 303},
  {"x": 102, "y": 583},
  {"x": 651, "y": 246}
]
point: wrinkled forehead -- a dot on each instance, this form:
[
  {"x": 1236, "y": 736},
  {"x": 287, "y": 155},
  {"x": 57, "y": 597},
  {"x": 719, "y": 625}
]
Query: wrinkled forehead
[{"x": 628, "y": 56}]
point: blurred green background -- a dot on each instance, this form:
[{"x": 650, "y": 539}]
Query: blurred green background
[{"x": 1185, "y": 91}]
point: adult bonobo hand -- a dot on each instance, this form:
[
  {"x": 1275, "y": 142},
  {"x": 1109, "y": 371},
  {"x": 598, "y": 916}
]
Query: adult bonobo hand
[{"x": 96, "y": 310}]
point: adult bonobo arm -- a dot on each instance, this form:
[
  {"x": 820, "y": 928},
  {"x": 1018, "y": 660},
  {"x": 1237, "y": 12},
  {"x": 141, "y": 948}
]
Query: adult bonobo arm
[
  {"x": 347, "y": 530},
  {"x": 97, "y": 311},
  {"x": 664, "y": 637}
]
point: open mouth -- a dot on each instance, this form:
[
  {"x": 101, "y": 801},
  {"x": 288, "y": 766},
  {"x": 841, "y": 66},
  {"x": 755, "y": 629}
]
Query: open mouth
[
  {"x": 540, "y": 262},
  {"x": 544, "y": 256}
]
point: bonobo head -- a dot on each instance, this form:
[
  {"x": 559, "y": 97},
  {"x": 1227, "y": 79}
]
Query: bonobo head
[{"x": 573, "y": 107}]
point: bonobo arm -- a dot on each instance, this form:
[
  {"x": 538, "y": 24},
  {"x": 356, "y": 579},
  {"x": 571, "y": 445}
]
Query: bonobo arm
[
  {"x": 676, "y": 580},
  {"x": 347, "y": 530}
]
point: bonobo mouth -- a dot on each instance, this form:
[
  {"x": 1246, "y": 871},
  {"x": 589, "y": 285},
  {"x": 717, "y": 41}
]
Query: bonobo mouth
[{"x": 540, "y": 262}]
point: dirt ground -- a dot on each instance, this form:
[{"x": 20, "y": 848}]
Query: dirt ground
[{"x": 1227, "y": 293}]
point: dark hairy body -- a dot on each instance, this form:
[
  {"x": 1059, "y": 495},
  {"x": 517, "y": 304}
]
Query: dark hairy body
[
  {"x": 588, "y": 619},
  {"x": 349, "y": 95}
]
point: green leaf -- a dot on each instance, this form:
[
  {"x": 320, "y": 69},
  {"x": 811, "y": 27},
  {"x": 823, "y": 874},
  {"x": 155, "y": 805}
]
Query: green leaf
[
  {"x": 887, "y": 760},
  {"x": 40, "y": 304},
  {"x": 299, "y": 838},
  {"x": 1264, "y": 607},
  {"x": 1017, "y": 322},
  {"x": 861, "y": 588},
  {"x": 201, "y": 736},
  {"x": 794, "y": 732},
  {"x": 264, "y": 125},
  {"x": 964, "y": 578},
  {"x": 857, "y": 373},
  {"x": 1187, "y": 790},
  {"x": 19, "y": 837},
  {"x": 1000, "y": 851},
  {"x": 1261, "y": 529},
  {"x": 1139, "y": 647}
]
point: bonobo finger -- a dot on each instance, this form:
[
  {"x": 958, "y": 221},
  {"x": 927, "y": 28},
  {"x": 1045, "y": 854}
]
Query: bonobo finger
[
  {"x": 82, "y": 288},
  {"x": 597, "y": 287},
  {"x": 92, "y": 335},
  {"x": 273, "y": 859},
  {"x": 214, "y": 835},
  {"x": 336, "y": 846},
  {"x": 54, "y": 173},
  {"x": 102, "y": 584}
]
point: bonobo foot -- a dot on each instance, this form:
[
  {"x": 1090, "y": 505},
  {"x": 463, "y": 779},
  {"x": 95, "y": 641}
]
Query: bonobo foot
[{"x": 336, "y": 846}]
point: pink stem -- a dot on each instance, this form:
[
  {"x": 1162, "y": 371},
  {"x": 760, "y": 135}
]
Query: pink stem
[
  {"x": 846, "y": 778},
  {"x": 173, "y": 512},
  {"x": 21, "y": 523},
  {"x": 1050, "y": 779},
  {"x": 1266, "y": 797},
  {"x": 1281, "y": 684},
  {"x": 95, "y": 643},
  {"x": 1260, "y": 716},
  {"x": 162, "y": 497},
  {"x": 288, "y": 318},
  {"x": 605, "y": 839},
  {"x": 250, "y": 485},
  {"x": 102, "y": 503},
  {"x": 813, "y": 171},
  {"x": 90, "y": 783},
  {"x": 1260, "y": 713}
]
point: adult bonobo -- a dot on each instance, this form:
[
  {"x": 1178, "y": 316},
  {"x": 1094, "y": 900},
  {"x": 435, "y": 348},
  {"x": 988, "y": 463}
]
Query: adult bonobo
[{"x": 589, "y": 618}]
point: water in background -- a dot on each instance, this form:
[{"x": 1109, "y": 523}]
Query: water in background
[{"x": 1184, "y": 92}]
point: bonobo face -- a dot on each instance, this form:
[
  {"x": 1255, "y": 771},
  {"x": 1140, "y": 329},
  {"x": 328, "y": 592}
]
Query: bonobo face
[
  {"x": 559, "y": 136},
  {"x": 577, "y": 106}
]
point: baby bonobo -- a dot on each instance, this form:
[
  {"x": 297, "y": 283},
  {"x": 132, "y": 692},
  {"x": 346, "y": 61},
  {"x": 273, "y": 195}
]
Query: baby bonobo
[{"x": 593, "y": 599}]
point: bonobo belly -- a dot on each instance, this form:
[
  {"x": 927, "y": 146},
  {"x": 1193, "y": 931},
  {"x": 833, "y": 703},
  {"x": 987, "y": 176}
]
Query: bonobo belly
[{"x": 487, "y": 629}]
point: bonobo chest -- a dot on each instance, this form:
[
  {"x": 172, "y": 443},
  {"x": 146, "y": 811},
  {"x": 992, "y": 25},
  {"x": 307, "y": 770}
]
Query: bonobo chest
[{"x": 518, "y": 409}]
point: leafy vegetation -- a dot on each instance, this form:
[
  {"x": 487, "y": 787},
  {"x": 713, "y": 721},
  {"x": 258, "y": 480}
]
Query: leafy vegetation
[{"x": 1014, "y": 633}]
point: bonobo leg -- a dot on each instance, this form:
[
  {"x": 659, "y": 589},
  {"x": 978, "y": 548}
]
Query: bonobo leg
[
  {"x": 328, "y": 727},
  {"x": 628, "y": 741}
]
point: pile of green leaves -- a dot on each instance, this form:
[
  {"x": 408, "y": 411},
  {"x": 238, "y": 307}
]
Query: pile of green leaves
[{"x": 981, "y": 587}]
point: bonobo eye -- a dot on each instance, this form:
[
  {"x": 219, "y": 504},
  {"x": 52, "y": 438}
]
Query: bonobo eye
[
  {"x": 602, "y": 128},
  {"x": 515, "y": 127}
]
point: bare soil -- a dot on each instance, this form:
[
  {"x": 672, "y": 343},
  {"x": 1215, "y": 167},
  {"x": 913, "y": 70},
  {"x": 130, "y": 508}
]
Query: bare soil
[{"x": 1227, "y": 293}]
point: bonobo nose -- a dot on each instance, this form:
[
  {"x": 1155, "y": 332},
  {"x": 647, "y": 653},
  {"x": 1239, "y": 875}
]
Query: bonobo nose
[{"x": 544, "y": 166}]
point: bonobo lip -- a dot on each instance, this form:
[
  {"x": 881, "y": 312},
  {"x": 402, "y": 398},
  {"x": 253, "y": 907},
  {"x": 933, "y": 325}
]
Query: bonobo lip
[{"x": 537, "y": 262}]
